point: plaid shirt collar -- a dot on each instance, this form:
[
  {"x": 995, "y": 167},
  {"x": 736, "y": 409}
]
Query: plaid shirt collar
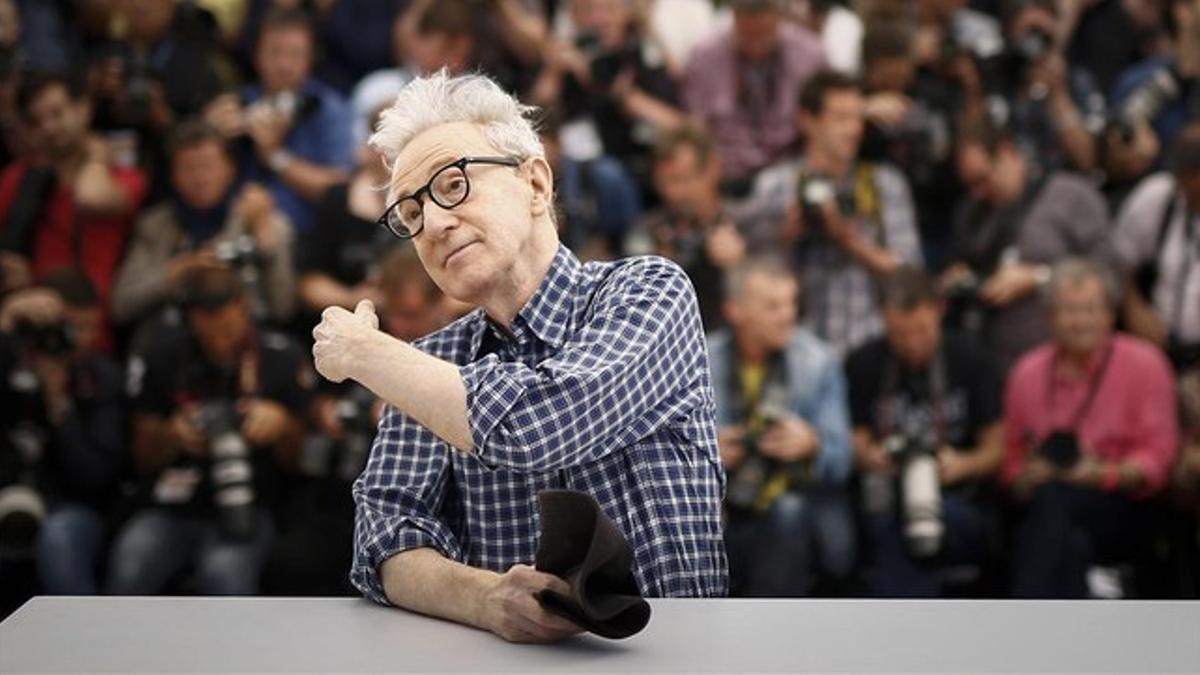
[{"x": 549, "y": 315}]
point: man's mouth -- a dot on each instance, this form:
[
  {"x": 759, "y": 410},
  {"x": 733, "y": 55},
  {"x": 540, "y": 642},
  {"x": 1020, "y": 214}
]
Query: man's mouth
[{"x": 456, "y": 251}]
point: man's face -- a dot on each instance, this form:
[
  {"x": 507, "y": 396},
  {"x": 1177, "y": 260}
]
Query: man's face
[
  {"x": 430, "y": 53},
  {"x": 202, "y": 175},
  {"x": 221, "y": 331},
  {"x": 890, "y": 75},
  {"x": 838, "y": 129},
  {"x": 766, "y": 312},
  {"x": 284, "y": 58},
  {"x": 755, "y": 34},
  {"x": 684, "y": 182},
  {"x": 998, "y": 179},
  {"x": 410, "y": 313},
  {"x": 149, "y": 20},
  {"x": 914, "y": 335},
  {"x": 59, "y": 122},
  {"x": 482, "y": 245},
  {"x": 1080, "y": 316},
  {"x": 607, "y": 19}
]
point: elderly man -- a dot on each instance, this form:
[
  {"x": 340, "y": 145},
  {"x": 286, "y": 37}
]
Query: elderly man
[
  {"x": 1091, "y": 433},
  {"x": 587, "y": 377}
]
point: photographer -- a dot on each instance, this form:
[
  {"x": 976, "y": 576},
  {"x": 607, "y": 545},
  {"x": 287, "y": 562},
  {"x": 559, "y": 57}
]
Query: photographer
[
  {"x": 613, "y": 87},
  {"x": 1156, "y": 244},
  {"x": 911, "y": 123},
  {"x": 696, "y": 226},
  {"x": 784, "y": 436},
  {"x": 1152, "y": 101},
  {"x": 315, "y": 539},
  {"x": 1091, "y": 433},
  {"x": 1016, "y": 222},
  {"x": 64, "y": 433},
  {"x": 850, "y": 221},
  {"x": 337, "y": 260},
  {"x": 742, "y": 81},
  {"x": 1055, "y": 110},
  {"x": 160, "y": 63},
  {"x": 295, "y": 133},
  {"x": 72, "y": 206},
  {"x": 208, "y": 221},
  {"x": 218, "y": 409},
  {"x": 927, "y": 439}
]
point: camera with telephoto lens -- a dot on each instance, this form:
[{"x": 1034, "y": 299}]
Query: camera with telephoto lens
[
  {"x": 1061, "y": 449},
  {"x": 1144, "y": 104},
  {"x": 239, "y": 252},
  {"x": 920, "y": 491},
  {"x": 52, "y": 339},
  {"x": 22, "y": 447},
  {"x": 1033, "y": 45},
  {"x": 814, "y": 191},
  {"x": 138, "y": 82},
  {"x": 344, "y": 458},
  {"x": 746, "y": 484},
  {"x": 605, "y": 65},
  {"x": 230, "y": 469},
  {"x": 242, "y": 254},
  {"x": 965, "y": 309},
  {"x": 921, "y": 143}
]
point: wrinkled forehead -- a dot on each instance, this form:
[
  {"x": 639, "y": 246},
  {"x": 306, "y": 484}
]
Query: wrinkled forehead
[{"x": 433, "y": 149}]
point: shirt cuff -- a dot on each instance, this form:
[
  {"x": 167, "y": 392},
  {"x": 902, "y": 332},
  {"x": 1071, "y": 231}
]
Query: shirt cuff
[
  {"x": 408, "y": 534},
  {"x": 491, "y": 395}
]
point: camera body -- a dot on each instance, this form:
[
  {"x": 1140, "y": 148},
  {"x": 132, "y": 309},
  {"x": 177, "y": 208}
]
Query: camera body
[
  {"x": 52, "y": 339},
  {"x": 344, "y": 458},
  {"x": 1033, "y": 45},
  {"x": 746, "y": 485},
  {"x": 1061, "y": 448},
  {"x": 1145, "y": 103},
  {"x": 605, "y": 65},
  {"x": 965, "y": 309},
  {"x": 920, "y": 491},
  {"x": 813, "y": 192},
  {"x": 230, "y": 468}
]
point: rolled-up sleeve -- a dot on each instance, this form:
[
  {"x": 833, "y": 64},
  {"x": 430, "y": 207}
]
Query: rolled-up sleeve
[
  {"x": 397, "y": 501},
  {"x": 613, "y": 382},
  {"x": 1155, "y": 423}
]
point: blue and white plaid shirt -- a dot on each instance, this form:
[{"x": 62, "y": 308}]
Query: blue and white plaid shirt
[{"x": 603, "y": 387}]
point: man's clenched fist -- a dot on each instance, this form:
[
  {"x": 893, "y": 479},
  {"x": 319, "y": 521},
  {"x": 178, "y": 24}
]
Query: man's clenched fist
[{"x": 342, "y": 340}]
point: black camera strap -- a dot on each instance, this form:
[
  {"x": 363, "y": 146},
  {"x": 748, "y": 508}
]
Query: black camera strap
[
  {"x": 1093, "y": 388},
  {"x": 936, "y": 377}
]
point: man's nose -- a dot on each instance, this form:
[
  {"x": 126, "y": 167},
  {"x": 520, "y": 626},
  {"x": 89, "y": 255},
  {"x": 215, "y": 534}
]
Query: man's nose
[{"x": 437, "y": 219}]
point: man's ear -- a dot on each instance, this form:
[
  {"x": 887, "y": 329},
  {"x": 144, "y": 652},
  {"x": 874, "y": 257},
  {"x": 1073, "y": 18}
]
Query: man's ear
[{"x": 541, "y": 182}]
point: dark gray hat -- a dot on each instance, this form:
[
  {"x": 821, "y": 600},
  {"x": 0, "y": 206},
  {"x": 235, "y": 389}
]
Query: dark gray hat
[{"x": 580, "y": 544}]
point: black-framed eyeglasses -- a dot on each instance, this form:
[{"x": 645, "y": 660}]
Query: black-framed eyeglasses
[{"x": 447, "y": 188}]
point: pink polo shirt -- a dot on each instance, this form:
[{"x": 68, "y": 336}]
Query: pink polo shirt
[{"x": 1132, "y": 418}]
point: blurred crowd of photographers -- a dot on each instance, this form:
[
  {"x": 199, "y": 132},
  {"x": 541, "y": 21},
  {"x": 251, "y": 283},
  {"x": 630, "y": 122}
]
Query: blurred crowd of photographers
[{"x": 945, "y": 251}]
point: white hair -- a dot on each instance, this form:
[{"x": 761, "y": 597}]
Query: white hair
[{"x": 437, "y": 99}]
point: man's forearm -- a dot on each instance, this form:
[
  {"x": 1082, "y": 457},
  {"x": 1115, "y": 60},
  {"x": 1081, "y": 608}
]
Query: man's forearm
[
  {"x": 423, "y": 580},
  {"x": 311, "y": 180},
  {"x": 426, "y": 388},
  {"x": 876, "y": 259},
  {"x": 96, "y": 191}
]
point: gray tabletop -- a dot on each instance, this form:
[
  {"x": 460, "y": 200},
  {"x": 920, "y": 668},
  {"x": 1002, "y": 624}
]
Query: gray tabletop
[{"x": 276, "y": 635}]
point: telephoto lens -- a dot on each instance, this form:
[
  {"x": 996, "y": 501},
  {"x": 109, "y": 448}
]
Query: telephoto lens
[
  {"x": 922, "y": 504},
  {"x": 231, "y": 471}
]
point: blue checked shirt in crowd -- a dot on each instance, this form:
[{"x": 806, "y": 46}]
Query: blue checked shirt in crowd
[
  {"x": 839, "y": 292},
  {"x": 603, "y": 386}
]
